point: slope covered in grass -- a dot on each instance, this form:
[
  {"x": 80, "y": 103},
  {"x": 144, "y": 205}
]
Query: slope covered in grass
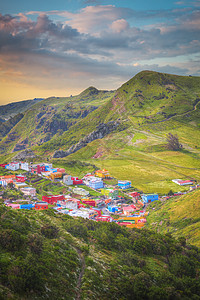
[
  {"x": 48, "y": 256},
  {"x": 179, "y": 216}
]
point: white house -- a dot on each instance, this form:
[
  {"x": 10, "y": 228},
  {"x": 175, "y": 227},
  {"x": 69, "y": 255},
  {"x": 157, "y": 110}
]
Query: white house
[{"x": 67, "y": 179}]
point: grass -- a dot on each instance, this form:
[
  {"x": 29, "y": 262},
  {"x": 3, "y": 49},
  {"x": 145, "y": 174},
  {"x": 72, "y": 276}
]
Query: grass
[{"x": 178, "y": 216}]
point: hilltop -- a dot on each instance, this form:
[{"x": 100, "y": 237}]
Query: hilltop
[{"x": 44, "y": 255}]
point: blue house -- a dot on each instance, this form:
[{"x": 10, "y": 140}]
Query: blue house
[
  {"x": 124, "y": 184},
  {"x": 26, "y": 206},
  {"x": 147, "y": 198},
  {"x": 112, "y": 208}
]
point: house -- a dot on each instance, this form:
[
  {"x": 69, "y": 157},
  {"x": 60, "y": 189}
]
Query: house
[
  {"x": 14, "y": 206},
  {"x": 21, "y": 178},
  {"x": 51, "y": 199},
  {"x": 40, "y": 169},
  {"x": 70, "y": 204},
  {"x": 61, "y": 170},
  {"x": 182, "y": 182},
  {"x": 76, "y": 180},
  {"x": 147, "y": 198},
  {"x": 124, "y": 184},
  {"x": 13, "y": 166},
  {"x": 67, "y": 179},
  {"x": 102, "y": 173},
  {"x": 4, "y": 180},
  {"x": 56, "y": 175},
  {"x": 41, "y": 205},
  {"x": 90, "y": 202},
  {"x": 104, "y": 218},
  {"x": 134, "y": 194},
  {"x": 24, "y": 166},
  {"x": 96, "y": 183},
  {"x": 80, "y": 191},
  {"x": 128, "y": 210},
  {"x": 29, "y": 191},
  {"x": 112, "y": 209},
  {"x": 27, "y": 206},
  {"x": 20, "y": 185}
]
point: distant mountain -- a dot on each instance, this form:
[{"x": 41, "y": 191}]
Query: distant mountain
[
  {"x": 50, "y": 117},
  {"x": 12, "y": 109}
]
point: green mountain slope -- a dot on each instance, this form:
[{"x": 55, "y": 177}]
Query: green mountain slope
[
  {"x": 51, "y": 117},
  {"x": 49, "y": 256},
  {"x": 178, "y": 216}
]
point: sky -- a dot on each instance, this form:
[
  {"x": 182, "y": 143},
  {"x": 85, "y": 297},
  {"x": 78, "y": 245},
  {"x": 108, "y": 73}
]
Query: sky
[{"x": 59, "y": 48}]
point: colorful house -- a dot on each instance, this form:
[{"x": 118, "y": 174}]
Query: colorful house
[
  {"x": 102, "y": 173},
  {"x": 56, "y": 175},
  {"x": 128, "y": 210},
  {"x": 90, "y": 202},
  {"x": 13, "y": 166},
  {"x": 76, "y": 180},
  {"x": 112, "y": 208},
  {"x": 41, "y": 205},
  {"x": 21, "y": 178},
  {"x": 27, "y": 206},
  {"x": 147, "y": 198},
  {"x": 182, "y": 182},
  {"x": 124, "y": 184},
  {"x": 51, "y": 199}
]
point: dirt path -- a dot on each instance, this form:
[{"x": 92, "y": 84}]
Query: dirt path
[{"x": 79, "y": 282}]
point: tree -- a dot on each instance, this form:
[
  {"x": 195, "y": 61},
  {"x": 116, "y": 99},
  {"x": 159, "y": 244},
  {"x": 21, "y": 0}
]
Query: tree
[{"x": 173, "y": 142}]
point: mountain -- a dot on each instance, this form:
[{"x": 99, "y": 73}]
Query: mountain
[
  {"x": 123, "y": 130},
  {"x": 44, "y": 255},
  {"x": 178, "y": 216},
  {"x": 12, "y": 109},
  {"x": 50, "y": 117}
]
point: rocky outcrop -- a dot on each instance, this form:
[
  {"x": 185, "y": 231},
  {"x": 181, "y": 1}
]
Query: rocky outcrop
[
  {"x": 101, "y": 131},
  {"x": 24, "y": 154}
]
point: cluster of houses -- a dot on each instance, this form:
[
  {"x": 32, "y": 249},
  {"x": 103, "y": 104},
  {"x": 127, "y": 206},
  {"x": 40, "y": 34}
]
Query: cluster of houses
[{"x": 110, "y": 206}]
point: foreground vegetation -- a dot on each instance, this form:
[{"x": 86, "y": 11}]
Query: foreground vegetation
[{"x": 46, "y": 255}]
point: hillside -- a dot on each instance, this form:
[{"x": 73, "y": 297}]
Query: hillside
[
  {"x": 50, "y": 256},
  {"x": 51, "y": 117},
  {"x": 178, "y": 216}
]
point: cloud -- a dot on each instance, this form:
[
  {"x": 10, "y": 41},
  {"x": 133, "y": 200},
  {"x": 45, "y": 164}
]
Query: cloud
[{"x": 102, "y": 44}]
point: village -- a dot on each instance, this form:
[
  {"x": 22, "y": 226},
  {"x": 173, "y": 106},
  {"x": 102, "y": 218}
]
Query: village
[{"x": 95, "y": 196}]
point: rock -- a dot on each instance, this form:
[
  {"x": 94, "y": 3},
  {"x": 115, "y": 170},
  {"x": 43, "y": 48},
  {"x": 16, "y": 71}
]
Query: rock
[
  {"x": 101, "y": 131},
  {"x": 24, "y": 154}
]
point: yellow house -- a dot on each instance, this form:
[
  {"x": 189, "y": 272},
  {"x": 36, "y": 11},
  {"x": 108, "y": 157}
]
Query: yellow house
[{"x": 102, "y": 173}]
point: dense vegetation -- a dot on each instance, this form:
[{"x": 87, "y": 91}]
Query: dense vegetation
[{"x": 48, "y": 256}]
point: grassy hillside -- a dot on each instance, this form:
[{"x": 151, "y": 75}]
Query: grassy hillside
[
  {"x": 49, "y": 256},
  {"x": 51, "y": 117},
  {"x": 178, "y": 216}
]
